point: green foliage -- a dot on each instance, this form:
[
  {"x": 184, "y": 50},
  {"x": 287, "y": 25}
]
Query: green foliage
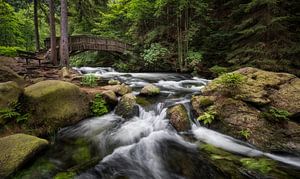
[
  {"x": 262, "y": 165},
  {"x": 231, "y": 80},
  {"x": 98, "y": 106},
  {"x": 218, "y": 70},
  {"x": 9, "y": 51},
  {"x": 245, "y": 133},
  {"x": 207, "y": 117},
  {"x": 121, "y": 66},
  {"x": 194, "y": 57},
  {"x": 65, "y": 175},
  {"x": 154, "y": 53},
  {"x": 11, "y": 113},
  {"x": 276, "y": 115},
  {"x": 83, "y": 59},
  {"x": 89, "y": 80}
]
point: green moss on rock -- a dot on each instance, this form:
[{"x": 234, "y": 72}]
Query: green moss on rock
[
  {"x": 179, "y": 117},
  {"x": 16, "y": 150},
  {"x": 127, "y": 106},
  {"x": 53, "y": 104},
  {"x": 9, "y": 93},
  {"x": 150, "y": 90}
]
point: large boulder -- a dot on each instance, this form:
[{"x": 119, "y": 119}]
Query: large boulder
[
  {"x": 150, "y": 90},
  {"x": 178, "y": 117},
  {"x": 127, "y": 107},
  {"x": 16, "y": 150},
  {"x": 7, "y": 74},
  {"x": 246, "y": 113},
  {"x": 9, "y": 93},
  {"x": 54, "y": 104}
]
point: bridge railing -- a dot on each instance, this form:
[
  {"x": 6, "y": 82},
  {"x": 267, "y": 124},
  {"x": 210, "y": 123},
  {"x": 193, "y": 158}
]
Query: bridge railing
[{"x": 81, "y": 43}]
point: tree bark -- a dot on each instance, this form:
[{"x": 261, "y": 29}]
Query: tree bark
[
  {"x": 53, "y": 54},
  {"x": 64, "y": 44},
  {"x": 36, "y": 26}
]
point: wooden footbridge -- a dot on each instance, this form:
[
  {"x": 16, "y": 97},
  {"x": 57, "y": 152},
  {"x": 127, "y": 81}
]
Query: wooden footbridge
[{"x": 81, "y": 43}]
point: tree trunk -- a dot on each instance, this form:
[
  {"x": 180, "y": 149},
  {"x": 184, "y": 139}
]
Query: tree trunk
[
  {"x": 53, "y": 53},
  {"x": 36, "y": 26},
  {"x": 64, "y": 46}
]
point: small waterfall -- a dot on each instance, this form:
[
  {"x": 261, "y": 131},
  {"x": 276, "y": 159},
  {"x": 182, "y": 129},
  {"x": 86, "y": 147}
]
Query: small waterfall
[{"x": 147, "y": 146}]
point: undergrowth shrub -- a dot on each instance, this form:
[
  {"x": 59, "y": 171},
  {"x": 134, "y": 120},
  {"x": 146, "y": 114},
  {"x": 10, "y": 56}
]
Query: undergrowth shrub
[
  {"x": 154, "y": 53},
  {"x": 89, "y": 80},
  {"x": 207, "y": 117},
  {"x": 9, "y": 51},
  {"x": 98, "y": 107},
  {"x": 11, "y": 113},
  {"x": 276, "y": 115}
]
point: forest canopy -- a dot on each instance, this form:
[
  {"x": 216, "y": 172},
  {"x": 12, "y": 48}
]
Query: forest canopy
[{"x": 171, "y": 35}]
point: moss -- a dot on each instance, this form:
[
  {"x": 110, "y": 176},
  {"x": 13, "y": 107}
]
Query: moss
[
  {"x": 218, "y": 70},
  {"x": 143, "y": 101},
  {"x": 262, "y": 165},
  {"x": 205, "y": 101},
  {"x": 53, "y": 104},
  {"x": 17, "y": 149},
  {"x": 41, "y": 167},
  {"x": 81, "y": 153},
  {"x": 65, "y": 175},
  {"x": 9, "y": 93}
]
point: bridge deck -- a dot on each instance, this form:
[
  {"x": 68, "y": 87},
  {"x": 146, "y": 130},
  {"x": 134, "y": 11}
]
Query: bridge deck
[{"x": 85, "y": 43}]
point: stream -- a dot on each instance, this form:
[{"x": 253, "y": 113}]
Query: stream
[{"x": 147, "y": 146}]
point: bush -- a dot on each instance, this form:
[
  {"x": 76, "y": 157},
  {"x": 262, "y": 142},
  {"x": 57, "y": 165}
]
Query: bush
[
  {"x": 276, "y": 115},
  {"x": 89, "y": 80},
  {"x": 9, "y": 51},
  {"x": 154, "y": 53},
  {"x": 207, "y": 117},
  {"x": 11, "y": 113},
  {"x": 98, "y": 107},
  {"x": 218, "y": 70},
  {"x": 231, "y": 80}
]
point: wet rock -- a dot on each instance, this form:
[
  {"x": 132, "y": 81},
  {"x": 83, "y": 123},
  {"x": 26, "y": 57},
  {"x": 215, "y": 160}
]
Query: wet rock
[
  {"x": 127, "y": 107},
  {"x": 150, "y": 90},
  {"x": 16, "y": 150},
  {"x": 114, "y": 82},
  {"x": 179, "y": 117},
  {"x": 9, "y": 93},
  {"x": 7, "y": 74},
  {"x": 244, "y": 112},
  {"x": 110, "y": 97},
  {"x": 121, "y": 89},
  {"x": 54, "y": 104}
]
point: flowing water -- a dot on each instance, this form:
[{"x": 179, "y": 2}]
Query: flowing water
[{"x": 147, "y": 146}]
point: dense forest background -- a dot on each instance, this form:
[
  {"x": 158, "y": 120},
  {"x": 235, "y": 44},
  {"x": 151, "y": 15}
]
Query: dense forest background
[{"x": 169, "y": 35}]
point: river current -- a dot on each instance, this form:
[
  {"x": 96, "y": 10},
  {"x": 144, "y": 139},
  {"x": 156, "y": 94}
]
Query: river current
[{"x": 147, "y": 146}]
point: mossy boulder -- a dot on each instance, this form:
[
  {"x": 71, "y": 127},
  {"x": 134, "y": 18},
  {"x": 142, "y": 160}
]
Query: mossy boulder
[
  {"x": 110, "y": 97},
  {"x": 127, "y": 107},
  {"x": 9, "y": 93},
  {"x": 150, "y": 90},
  {"x": 16, "y": 150},
  {"x": 178, "y": 117},
  {"x": 54, "y": 104},
  {"x": 7, "y": 74},
  {"x": 261, "y": 92}
]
